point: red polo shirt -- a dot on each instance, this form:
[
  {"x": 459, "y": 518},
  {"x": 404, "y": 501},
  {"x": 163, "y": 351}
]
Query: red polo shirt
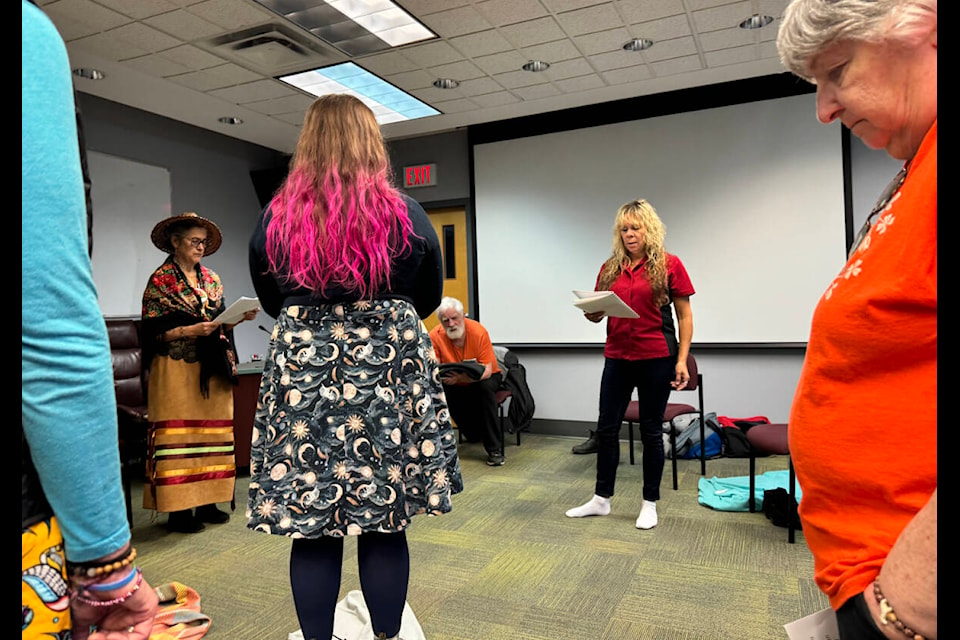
[{"x": 653, "y": 334}]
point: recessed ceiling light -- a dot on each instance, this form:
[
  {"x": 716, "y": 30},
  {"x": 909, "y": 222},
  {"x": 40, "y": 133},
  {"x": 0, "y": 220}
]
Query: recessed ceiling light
[
  {"x": 756, "y": 21},
  {"x": 229, "y": 120},
  {"x": 446, "y": 83},
  {"x": 89, "y": 74},
  {"x": 637, "y": 44},
  {"x": 536, "y": 66}
]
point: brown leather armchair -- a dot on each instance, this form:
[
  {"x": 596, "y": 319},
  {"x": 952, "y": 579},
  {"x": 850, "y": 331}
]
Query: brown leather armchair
[{"x": 130, "y": 386}]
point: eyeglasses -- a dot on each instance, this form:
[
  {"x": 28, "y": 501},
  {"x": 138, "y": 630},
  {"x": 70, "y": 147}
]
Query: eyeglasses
[
  {"x": 196, "y": 242},
  {"x": 881, "y": 204}
]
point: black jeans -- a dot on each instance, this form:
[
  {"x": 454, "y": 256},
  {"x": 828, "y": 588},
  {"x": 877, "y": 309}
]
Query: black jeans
[
  {"x": 651, "y": 379},
  {"x": 855, "y": 622},
  {"x": 474, "y": 409}
]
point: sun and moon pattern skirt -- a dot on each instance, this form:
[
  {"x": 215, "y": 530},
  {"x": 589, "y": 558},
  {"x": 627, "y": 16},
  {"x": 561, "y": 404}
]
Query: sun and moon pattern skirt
[{"x": 352, "y": 432}]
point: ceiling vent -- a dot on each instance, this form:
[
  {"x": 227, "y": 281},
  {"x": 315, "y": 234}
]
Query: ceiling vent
[{"x": 273, "y": 50}]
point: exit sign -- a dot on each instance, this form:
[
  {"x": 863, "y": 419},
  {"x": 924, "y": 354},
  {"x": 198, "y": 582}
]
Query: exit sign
[{"x": 420, "y": 175}]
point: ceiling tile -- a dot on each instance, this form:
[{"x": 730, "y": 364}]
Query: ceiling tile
[
  {"x": 502, "y": 12},
  {"x": 85, "y": 17},
  {"x": 726, "y": 38},
  {"x": 533, "y": 32},
  {"x": 194, "y": 58},
  {"x": 106, "y": 46},
  {"x": 456, "y": 22},
  {"x": 432, "y": 53},
  {"x": 569, "y": 69},
  {"x": 294, "y": 117},
  {"x": 515, "y": 79},
  {"x": 501, "y": 62},
  {"x": 230, "y": 14},
  {"x": 296, "y": 104},
  {"x": 184, "y": 25},
  {"x": 732, "y": 56},
  {"x": 481, "y": 44},
  {"x": 616, "y": 60},
  {"x": 696, "y": 5},
  {"x": 141, "y": 8},
  {"x": 256, "y": 91},
  {"x": 627, "y": 75},
  {"x": 646, "y": 10},
  {"x": 581, "y": 83},
  {"x": 724, "y": 17},
  {"x": 590, "y": 20},
  {"x": 216, "y": 78},
  {"x": 536, "y": 92},
  {"x": 675, "y": 48},
  {"x": 773, "y": 8},
  {"x": 454, "y": 106},
  {"x": 384, "y": 64},
  {"x": 496, "y": 99},
  {"x": 602, "y": 41},
  {"x": 677, "y": 65},
  {"x": 569, "y": 5},
  {"x": 409, "y": 80},
  {"x": 480, "y": 86},
  {"x": 769, "y": 50},
  {"x": 423, "y": 7},
  {"x": 552, "y": 51},
  {"x": 458, "y": 70},
  {"x": 159, "y": 66},
  {"x": 663, "y": 29},
  {"x": 144, "y": 37}
]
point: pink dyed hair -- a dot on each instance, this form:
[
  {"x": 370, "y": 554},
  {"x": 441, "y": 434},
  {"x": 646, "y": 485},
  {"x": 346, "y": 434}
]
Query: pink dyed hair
[{"x": 336, "y": 219}]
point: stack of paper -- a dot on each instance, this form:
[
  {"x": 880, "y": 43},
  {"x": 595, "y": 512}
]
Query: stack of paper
[
  {"x": 234, "y": 313},
  {"x": 606, "y": 301}
]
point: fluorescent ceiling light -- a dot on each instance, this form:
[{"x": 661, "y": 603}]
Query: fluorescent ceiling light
[
  {"x": 388, "y": 103},
  {"x": 356, "y": 27}
]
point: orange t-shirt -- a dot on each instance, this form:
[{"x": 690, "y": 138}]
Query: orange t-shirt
[
  {"x": 863, "y": 427},
  {"x": 477, "y": 345}
]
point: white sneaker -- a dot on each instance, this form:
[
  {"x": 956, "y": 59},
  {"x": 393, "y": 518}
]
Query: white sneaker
[{"x": 648, "y": 515}]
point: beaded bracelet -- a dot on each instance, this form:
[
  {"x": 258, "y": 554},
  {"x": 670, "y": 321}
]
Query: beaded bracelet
[
  {"x": 110, "y": 586},
  {"x": 889, "y": 616},
  {"x": 79, "y": 597},
  {"x": 95, "y": 570}
]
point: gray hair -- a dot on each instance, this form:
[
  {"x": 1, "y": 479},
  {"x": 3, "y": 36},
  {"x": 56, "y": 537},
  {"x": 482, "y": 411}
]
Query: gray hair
[
  {"x": 449, "y": 303},
  {"x": 810, "y": 26}
]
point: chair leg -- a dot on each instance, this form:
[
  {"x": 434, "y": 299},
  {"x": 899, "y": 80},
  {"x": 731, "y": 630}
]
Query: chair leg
[
  {"x": 630, "y": 436},
  {"x": 703, "y": 444},
  {"x": 503, "y": 441},
  {"x": 791, "y": 534},
  {"x": 753, "y": 483},
  {"x": 673, "y": 455}
]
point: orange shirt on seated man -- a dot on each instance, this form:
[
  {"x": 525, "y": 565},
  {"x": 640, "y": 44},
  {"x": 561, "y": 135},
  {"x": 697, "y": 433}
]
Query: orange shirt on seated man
[{"x": 472, "y": 403}]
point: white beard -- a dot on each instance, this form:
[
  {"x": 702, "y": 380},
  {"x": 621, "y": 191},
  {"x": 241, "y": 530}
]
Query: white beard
[{"x": 455, "y": 333}]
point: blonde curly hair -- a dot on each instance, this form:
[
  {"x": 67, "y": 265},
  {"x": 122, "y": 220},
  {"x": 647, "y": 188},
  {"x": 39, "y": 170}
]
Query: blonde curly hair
[{"x": 642, "y": 213}]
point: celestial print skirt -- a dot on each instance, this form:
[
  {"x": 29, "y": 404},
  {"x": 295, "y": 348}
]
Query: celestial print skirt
[{"x": 352, "y": 432}]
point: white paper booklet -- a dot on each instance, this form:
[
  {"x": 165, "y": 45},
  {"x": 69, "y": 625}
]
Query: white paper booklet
[
  {"x": 234, "y": 313},
  {"x": 606, "y": 301}
]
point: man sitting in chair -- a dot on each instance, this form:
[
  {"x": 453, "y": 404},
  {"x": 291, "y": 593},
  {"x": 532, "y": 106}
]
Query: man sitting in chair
[{"x": 472, "y": 401}]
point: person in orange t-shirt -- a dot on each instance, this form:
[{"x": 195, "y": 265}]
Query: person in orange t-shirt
[
  {"x": 863, "y": 426},
  {"x": 473, "y": 403}
]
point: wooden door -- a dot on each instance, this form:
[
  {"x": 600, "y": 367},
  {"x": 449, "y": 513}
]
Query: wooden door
[{"x": 451, "y": 227}]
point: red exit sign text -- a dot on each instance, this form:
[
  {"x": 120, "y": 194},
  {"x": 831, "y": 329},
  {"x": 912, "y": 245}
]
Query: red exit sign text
[{"x": 420, "y": 175}]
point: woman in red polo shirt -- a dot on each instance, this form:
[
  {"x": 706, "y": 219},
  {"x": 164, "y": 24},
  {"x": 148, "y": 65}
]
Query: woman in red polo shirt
[{"x": 641, "y": 353}]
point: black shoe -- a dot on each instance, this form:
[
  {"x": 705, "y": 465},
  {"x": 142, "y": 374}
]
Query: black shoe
[
  {"x": 588, "y": 446},
  {"x": 495, "y": 459},
  {"x": 184, "y": 522},
  {"x": 210, "y": 513}
]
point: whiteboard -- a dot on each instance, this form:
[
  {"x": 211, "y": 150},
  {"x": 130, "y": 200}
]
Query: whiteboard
[
  {"x": 129, "y": 198},
  {"x": 751, "y": 196}
]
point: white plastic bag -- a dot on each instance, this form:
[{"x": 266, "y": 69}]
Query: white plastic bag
[{"x": 352, "y": 621}]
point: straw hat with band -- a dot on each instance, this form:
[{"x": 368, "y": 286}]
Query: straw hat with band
[{"x": 161, "y": 233}]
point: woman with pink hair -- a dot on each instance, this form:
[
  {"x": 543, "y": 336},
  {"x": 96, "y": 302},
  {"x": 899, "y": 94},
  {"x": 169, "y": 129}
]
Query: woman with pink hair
[{"x": 352, "y": 434}]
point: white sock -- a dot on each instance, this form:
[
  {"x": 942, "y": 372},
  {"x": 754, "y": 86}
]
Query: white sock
[
  {"x": 648, "y": 515},
  {"x": 596, "y": 506}
]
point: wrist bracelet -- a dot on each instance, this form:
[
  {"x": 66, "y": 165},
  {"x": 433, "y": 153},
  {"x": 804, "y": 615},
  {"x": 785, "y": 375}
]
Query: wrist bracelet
[
  {"x": 79, "y": 597},
  {"x": 889, "y": 616},
  {"x": 94, "y": 569},
  {"x": 110, "y": 586}
]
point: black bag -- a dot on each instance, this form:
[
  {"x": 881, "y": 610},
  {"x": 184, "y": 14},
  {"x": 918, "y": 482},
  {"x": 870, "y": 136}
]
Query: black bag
[
  {"x": 522, "y": 406},
  {"x": 777, "y": 508}
]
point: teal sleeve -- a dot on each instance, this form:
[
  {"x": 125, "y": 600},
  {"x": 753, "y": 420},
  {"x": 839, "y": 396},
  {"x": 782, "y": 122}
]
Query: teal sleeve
[{"x": 68, "y": 405}]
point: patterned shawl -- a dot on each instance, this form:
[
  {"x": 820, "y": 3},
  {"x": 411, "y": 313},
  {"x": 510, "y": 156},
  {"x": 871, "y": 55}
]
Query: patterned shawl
[{"x": 170, "y": 302}]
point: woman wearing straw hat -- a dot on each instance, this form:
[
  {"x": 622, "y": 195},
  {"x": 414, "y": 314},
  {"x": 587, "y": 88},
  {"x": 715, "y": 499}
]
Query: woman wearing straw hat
[{"x": 192, "y": 363}]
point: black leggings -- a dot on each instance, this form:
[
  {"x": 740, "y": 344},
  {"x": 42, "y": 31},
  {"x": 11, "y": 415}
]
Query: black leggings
[{"x": 315, "y": 567}]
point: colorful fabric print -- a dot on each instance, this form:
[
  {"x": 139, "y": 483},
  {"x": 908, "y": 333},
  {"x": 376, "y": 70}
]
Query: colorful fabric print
[{"x": 44, "y": 603}]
